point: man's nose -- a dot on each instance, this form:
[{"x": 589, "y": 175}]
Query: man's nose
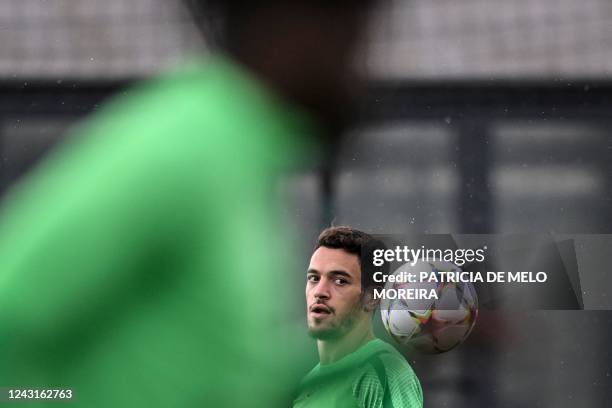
[{"x": 321, "y": 291}]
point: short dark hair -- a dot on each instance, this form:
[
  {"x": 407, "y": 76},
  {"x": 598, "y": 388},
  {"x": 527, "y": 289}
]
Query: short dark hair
[
  {"x": 359, "y": 243},
  {"x": 221, "y": 20}
]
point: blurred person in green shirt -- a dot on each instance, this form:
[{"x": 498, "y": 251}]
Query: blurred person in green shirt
[
  {"x": 143, "y": 264},
  {"x": 356, "y": 369}
]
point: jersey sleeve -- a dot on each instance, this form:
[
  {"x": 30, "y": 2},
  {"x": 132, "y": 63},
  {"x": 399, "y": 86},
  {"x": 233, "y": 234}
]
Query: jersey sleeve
[
  {"x": 388, "y": 383},
  {"x": 404, "y": 385},
  {"x": 368, "y": 390}
]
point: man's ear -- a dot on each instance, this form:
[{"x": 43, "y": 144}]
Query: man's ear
[{"x": 369, "y": 303}]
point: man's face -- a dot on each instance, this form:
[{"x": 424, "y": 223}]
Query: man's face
[{"x": 333, "y": 293}]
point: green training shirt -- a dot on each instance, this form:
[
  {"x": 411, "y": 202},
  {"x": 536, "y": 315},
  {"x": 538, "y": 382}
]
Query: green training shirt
[
  {"x": 374, "y": 376},
  {"x": 142, "y": 264}
]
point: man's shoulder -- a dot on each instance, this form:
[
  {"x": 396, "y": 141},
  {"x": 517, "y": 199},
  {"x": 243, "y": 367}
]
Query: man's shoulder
[
  {"x": 204, "y": 113},
  {"x": 387, "y": 380},
  {"x": 382, "y": 360},
  {"x": 366, "y": 361},
  {"x": 376, "y": 375}
]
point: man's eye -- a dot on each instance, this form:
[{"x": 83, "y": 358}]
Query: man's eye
[
  {"x": 312, "y": 278},
  {"x": 341, "y": 282}
]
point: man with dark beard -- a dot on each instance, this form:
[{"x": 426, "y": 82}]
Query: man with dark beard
[{"x": 356, "y": 369}]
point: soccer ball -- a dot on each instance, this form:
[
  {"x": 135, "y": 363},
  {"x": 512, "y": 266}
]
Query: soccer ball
[{"x": 430, "y": 325}]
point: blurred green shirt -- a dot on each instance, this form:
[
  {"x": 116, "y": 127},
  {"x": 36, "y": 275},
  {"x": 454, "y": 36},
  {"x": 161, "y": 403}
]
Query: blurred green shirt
[
  {"x": 143, "y": 263},
  {"x": 374, "y": 376}
]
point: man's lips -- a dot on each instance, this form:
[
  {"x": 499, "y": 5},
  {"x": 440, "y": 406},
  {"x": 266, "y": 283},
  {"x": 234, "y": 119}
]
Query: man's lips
[{"x": 320, "y": 310}]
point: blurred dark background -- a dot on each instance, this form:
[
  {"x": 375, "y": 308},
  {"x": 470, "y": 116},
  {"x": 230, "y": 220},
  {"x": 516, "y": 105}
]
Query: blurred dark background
[{"x": 480, "y": 117}]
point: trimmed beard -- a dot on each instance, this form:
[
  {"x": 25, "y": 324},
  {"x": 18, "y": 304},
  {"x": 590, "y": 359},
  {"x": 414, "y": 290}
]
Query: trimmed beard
[{"x": 339, "y": 330}]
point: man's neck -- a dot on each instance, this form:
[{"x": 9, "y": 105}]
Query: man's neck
[{"x": 333, "y": 350}]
